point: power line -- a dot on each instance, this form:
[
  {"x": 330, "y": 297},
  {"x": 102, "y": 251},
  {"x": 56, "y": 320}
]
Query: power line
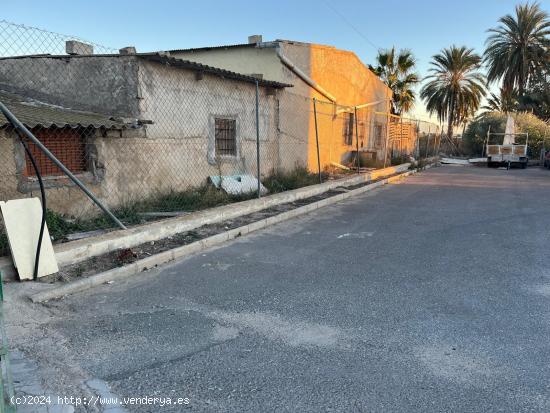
[{"x": 350, "y": 24}]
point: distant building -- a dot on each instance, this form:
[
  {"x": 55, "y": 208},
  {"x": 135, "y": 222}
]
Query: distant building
[{"x": 316, "y": 71}]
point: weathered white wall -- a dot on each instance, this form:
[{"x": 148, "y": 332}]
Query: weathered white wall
[
  {"x": 183, "y": 107},
  {"x": 174, "y": 153},
  {"x": 246, "y": 60},
  {"x": 340, "y": 72},
  {"x": 101, "y": 84}
]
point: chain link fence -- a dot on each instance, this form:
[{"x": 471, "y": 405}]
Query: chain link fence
[{"x": 152, "y": 136}]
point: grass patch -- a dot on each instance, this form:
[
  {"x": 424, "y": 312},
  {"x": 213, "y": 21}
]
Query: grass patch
[
  {"x": 194, "y": 199},
  {"x": 297, "y": 178},
  {"x": 206, "y": 196}
]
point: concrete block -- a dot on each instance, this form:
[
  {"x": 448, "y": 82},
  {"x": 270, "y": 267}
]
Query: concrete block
[
  {"x": 255, "y": 38},
  {"x": 127, "y": 50},
  {"x": 75, "y": 47}
]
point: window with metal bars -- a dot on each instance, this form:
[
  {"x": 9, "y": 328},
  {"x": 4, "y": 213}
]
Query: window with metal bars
[
  {"x": 226, "y": 137},
  {"x": 378, "y": 135},
  {"x": 349, "y": 123},
  {"x": 67, "y": 145}
]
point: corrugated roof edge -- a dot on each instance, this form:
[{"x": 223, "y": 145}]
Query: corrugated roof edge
[
  {"x": 33, "y": 113},
  {"x": 273, "y": 43},
  {"x": 227, "y": 74},
  {"x": 172, "y": 61},
  {"x": 225, "y": 46}
]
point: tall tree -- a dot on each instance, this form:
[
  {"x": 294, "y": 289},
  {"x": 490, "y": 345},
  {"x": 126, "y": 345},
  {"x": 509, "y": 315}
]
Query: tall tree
[
  {"x": 455, "y": 86},
  {"x": 397, "y": 71},
  {"x": 506, "y": 101},
  {"x": 537, "y": 96},
  {"x": 517, "y": 48}
]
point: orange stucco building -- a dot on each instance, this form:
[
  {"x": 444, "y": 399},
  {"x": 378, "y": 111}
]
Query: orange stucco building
[{"x": 336, "y": 79}]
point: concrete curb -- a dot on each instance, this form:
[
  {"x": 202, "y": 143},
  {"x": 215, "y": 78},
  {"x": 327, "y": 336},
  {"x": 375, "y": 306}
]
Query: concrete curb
[
  {"x": 189, "y": 249},
  {"x": 75, "y": 251}
]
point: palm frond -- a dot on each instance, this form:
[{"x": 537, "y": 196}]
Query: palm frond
[
  {"x": 455, "y": 86},
  {"x": 397, "y": 70},
  {"x": 517, "y": 48}
]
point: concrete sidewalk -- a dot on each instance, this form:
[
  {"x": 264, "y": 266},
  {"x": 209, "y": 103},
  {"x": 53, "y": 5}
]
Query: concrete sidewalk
[{"x": 429, "y": 295}]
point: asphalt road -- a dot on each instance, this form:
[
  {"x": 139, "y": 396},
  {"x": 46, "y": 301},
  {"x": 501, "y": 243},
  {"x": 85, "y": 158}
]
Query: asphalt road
[{"x": 429, "y": 295}]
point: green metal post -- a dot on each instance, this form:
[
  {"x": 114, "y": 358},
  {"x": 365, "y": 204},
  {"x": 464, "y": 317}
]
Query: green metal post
[{"x": 8, "y": 392}]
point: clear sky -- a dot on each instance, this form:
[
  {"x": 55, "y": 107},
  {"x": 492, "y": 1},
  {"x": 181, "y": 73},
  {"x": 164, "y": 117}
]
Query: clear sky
[{"x": 424, "y": 26}]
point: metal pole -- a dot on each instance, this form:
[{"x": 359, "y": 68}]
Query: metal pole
[
  {"x": 436, "y": 149},
  {"x": 543, "y": 151},
  {"x": 21, "y": 128},
  {"x": 486, "y": 141},
  {"x": 357, "y": 138},
  {"x": 258, "y": 137},
  {"x": 317, "y": 139},
  {"x": 417, "y": 139},
  {"x": 387, "y": 139},
  {"x": 5, "y": 357},
  {"x": 428, "y": 140},
  {"x": 401, "y": 138}
]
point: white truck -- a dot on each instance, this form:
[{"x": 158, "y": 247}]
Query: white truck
[{"x": 509, "y": 152}]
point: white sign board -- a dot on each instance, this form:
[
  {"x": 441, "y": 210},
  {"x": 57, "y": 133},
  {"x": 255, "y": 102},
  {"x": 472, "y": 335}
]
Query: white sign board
[{"x": 22, "y": 218}]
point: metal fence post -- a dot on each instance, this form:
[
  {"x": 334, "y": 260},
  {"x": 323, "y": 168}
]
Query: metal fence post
[
  {"x": 436, "y": 148},
  {"x": 317, "y": 139},
  {"x": 357, "y": 138},
  {"x": 401, "y": 137},
  {"x": 485, "y": 141},
  {"x": 417, "y": 139},
  {"x": 387, "y": 141},
  {"x": 258, "y": 137},
  {"x": 428, "y": 141},
  {"x": 6, "y": 387}
]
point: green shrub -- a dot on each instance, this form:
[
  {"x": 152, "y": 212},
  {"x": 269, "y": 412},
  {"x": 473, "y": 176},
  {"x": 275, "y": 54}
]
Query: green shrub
[
  {"x": 59, "y": 226},
  {"x": 476, "y": 132}
]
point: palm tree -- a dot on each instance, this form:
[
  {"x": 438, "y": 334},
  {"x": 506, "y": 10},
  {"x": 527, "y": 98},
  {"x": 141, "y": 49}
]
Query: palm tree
[
  {"x": 518, "y": 46},
  {"x": 505, "y": 102},
  {"x": 397, "y": 71},
  {"x": 455, "y": 86},
  {"x": 537, "y": 96}
]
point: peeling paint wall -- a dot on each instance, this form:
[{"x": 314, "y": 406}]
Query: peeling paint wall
[
  {"x": 174, "y": 153},
  {"x": 183, "y": 107}
]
